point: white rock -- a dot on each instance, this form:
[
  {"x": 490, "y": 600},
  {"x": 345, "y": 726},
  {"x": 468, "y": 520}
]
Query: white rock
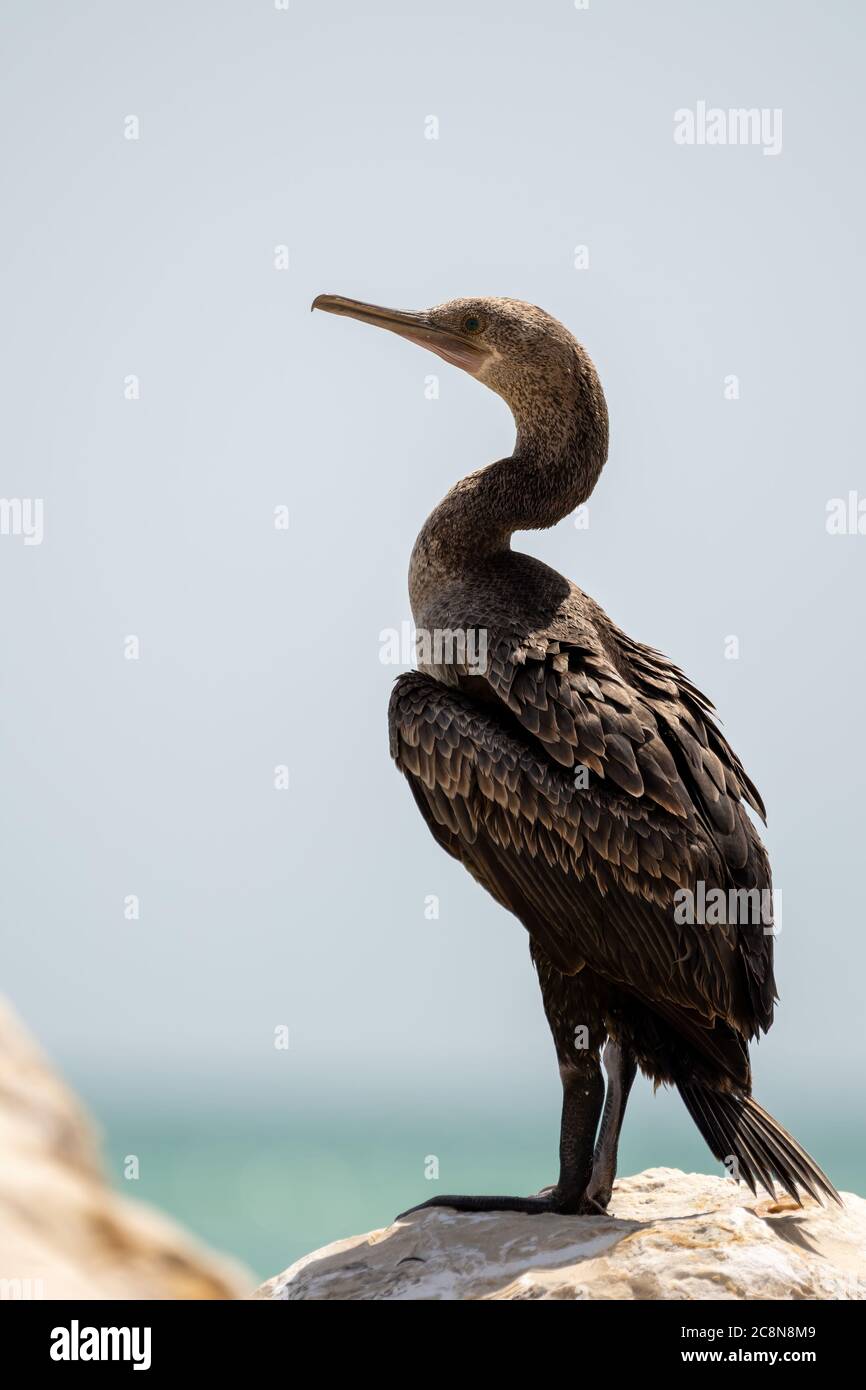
[{"x": 668, "y": 1235}]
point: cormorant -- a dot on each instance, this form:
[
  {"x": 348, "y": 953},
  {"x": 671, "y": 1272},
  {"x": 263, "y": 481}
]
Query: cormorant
[{"x": 581, "y": 779}]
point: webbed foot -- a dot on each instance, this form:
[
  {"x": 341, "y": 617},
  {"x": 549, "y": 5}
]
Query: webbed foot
[{"x": 548, "y": 1201}]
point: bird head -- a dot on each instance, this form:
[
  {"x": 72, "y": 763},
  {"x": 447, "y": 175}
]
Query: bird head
[{"x": 519, "y": 351}]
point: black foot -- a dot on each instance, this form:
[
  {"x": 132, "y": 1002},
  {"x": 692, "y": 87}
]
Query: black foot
[
  {"x": 600, "y": 1195},
  {"x": 621, "y": 1067},
  {"x": 549, "y": 1200}
]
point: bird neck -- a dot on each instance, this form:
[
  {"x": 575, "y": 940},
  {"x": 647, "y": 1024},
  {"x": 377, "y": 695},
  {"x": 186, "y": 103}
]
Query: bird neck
[{"x": 559, "y": 453}]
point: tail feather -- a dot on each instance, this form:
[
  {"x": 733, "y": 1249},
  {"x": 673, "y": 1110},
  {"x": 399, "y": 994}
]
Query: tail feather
[{"x": 735, "y": 1125}]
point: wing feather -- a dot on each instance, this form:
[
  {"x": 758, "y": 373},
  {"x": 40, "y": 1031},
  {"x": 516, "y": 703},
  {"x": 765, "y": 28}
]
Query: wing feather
[{"x": 591, "y": 872}]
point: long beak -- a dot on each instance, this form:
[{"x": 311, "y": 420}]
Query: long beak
[{"x": 458, "y": 348}]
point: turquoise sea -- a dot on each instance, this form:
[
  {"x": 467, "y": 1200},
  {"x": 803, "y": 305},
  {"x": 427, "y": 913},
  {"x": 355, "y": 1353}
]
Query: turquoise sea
[{"x": 267, "y": 1186}]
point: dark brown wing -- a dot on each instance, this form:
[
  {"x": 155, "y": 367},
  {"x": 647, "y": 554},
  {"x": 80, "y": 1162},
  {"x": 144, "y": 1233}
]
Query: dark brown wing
[
  {"x": 685, "y": 719},
  {"x": 634, "y": 720},
  {"x": 590, "y": 871},
  {"x": 597, "y": 698}
]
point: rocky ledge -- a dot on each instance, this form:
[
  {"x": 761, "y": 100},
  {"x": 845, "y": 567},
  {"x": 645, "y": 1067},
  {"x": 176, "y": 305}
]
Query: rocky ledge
[
  {"x": 64, "y": 1233},
  {"x": 668, "y": 1235}
]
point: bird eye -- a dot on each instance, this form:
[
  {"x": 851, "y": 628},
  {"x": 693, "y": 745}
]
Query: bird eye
[{"x": 471, "y": 325}]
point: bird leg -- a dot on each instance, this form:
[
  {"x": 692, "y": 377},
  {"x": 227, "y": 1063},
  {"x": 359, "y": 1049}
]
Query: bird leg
[
  {"x": 620, "y": 1065},
  {"x": 582, "y": 1097}
]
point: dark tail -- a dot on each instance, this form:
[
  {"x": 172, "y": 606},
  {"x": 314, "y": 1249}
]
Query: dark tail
[{"x": 735, "y": 1125}]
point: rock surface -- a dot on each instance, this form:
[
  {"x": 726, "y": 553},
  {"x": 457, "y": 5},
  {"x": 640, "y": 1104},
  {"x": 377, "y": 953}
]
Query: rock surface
[
  {"x": 668, "y": 1235},
  {"x": 63, "y": 1232}
]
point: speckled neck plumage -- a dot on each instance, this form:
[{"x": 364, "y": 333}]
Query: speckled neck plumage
[{"x": 560, "y": 450}]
